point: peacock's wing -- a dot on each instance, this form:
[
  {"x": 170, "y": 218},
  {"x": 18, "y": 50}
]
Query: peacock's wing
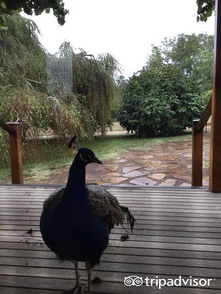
[{"x": 104, "y": 205}]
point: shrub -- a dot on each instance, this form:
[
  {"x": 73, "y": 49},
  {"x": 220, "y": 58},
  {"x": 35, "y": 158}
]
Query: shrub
[{"x": 160, "y": 102}]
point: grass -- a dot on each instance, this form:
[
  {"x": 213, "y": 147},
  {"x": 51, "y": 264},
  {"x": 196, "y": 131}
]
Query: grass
[
  {"x": 45, "y": 157},
  {"x": 110, "y": 147}
]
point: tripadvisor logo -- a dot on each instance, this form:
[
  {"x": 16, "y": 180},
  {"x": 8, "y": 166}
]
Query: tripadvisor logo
[{"x": 169, "y": 282}]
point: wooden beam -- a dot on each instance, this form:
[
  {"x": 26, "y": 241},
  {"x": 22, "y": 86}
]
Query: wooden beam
[
  {"x": 204, "y": 117},
  {"x": 197, "y": 155},
  {"x": 215, "y": 149},
  {"x": 15, "y": 142}
]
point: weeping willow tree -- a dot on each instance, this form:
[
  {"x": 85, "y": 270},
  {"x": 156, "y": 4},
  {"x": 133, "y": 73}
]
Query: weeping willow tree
[
  {"x": 89, "y": 79},
  {"x": 23, "y": 89},
  {"x": 73, "y": 95},
  {"x": 94, "y": 81},
  {"x": 21, "y": 56}
]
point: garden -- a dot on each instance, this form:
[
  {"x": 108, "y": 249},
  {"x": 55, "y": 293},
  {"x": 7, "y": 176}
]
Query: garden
[{"x": 56, "y": 96}]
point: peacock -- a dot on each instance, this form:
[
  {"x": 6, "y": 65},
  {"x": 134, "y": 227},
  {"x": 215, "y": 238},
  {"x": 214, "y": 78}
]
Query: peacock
[{"x": 76, "y": 220}]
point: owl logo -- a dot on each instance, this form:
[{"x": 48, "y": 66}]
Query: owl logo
[{"x": 133, "y": 281}]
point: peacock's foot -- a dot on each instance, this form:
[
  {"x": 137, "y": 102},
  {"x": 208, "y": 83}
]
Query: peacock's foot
[
  {"x": 75, "y": 290},
  {"x": 96, "y": 280},
  {"x": 80, "y": 290}
]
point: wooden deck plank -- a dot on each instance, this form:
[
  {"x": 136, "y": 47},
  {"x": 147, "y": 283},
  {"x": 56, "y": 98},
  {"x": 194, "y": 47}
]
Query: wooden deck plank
[
  {"x": 109, "y": 264},
  {"x": 197, "y": 246},
  {"x": 17, "y": 229},
  {"x": 53, "y": 268},
  {"x": 178, "y": 232},
  {"x": 175, "y": 225},
  {"x": 163, "y": 252},
  {"x": 110, "y": 257},
  {"x": 138, "y": 206},
  {"x": 215, "y": 240}
]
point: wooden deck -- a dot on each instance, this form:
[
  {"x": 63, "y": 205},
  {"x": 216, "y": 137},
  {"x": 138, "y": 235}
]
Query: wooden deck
[{"x": 178, "y": 232}]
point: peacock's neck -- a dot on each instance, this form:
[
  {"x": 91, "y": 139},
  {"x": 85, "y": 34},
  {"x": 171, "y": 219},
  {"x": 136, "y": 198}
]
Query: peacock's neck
[{"x": 75, "y": 190}]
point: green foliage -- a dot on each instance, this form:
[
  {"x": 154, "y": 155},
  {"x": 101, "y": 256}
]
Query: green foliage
[
  {"x": 164, "y": 98},
  {"x": 205, "y": 9},
  {"x": 193, "y": 54},
  {"x": 36, "y": 6},
  {"x": 207, "y": 96},
  {"x": 24, "y": 85},
  {"x": 92, "y": 82},
  {"x": 21, "y": 55},
  {"x": 39, "y": 112},
  {"x": 159, "y": 102}
]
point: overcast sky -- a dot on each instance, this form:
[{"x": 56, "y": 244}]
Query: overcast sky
[{"x": 124, "y": 28}]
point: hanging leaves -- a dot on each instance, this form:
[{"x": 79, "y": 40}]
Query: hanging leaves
[
  {"x": 205, "y": 9},
  {"x": 34, "y": 6}
]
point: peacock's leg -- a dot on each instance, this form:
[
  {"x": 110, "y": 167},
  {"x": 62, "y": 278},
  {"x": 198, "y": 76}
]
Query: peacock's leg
[
  {"x": 88, "y": 268},
  {"x": 77, "y": 288},
  {"x": 77, "y": 275}
]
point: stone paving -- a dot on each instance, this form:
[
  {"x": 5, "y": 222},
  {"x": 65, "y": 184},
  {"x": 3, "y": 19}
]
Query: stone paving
[{"x": 164, "y": 164}]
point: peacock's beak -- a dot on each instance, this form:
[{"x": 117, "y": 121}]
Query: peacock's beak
[{"x": 96, "y": 160}]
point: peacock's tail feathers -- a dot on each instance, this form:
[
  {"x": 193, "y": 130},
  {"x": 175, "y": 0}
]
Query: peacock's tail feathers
[{"x": 129, "y": 216}]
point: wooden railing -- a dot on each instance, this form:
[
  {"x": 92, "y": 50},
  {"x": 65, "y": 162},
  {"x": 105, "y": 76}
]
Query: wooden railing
[
  {"x": 197, "y": 146},
  {"x": 15, "y": 141}
]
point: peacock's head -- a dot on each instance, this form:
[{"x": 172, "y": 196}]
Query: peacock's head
[
  {"x": 86, "y": 156},
  {"x": 83, "y": 156}
]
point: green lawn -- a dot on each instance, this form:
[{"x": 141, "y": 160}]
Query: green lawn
[
  {"x": 44, "y": 157},
  {"x": 110, "y": 147}
]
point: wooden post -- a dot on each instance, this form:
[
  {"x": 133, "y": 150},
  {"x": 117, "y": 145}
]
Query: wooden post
[
  {"x": 215, "y": 149},
  {"x": 197, "y": 156},
  {"x": 15, "y": 142}
]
